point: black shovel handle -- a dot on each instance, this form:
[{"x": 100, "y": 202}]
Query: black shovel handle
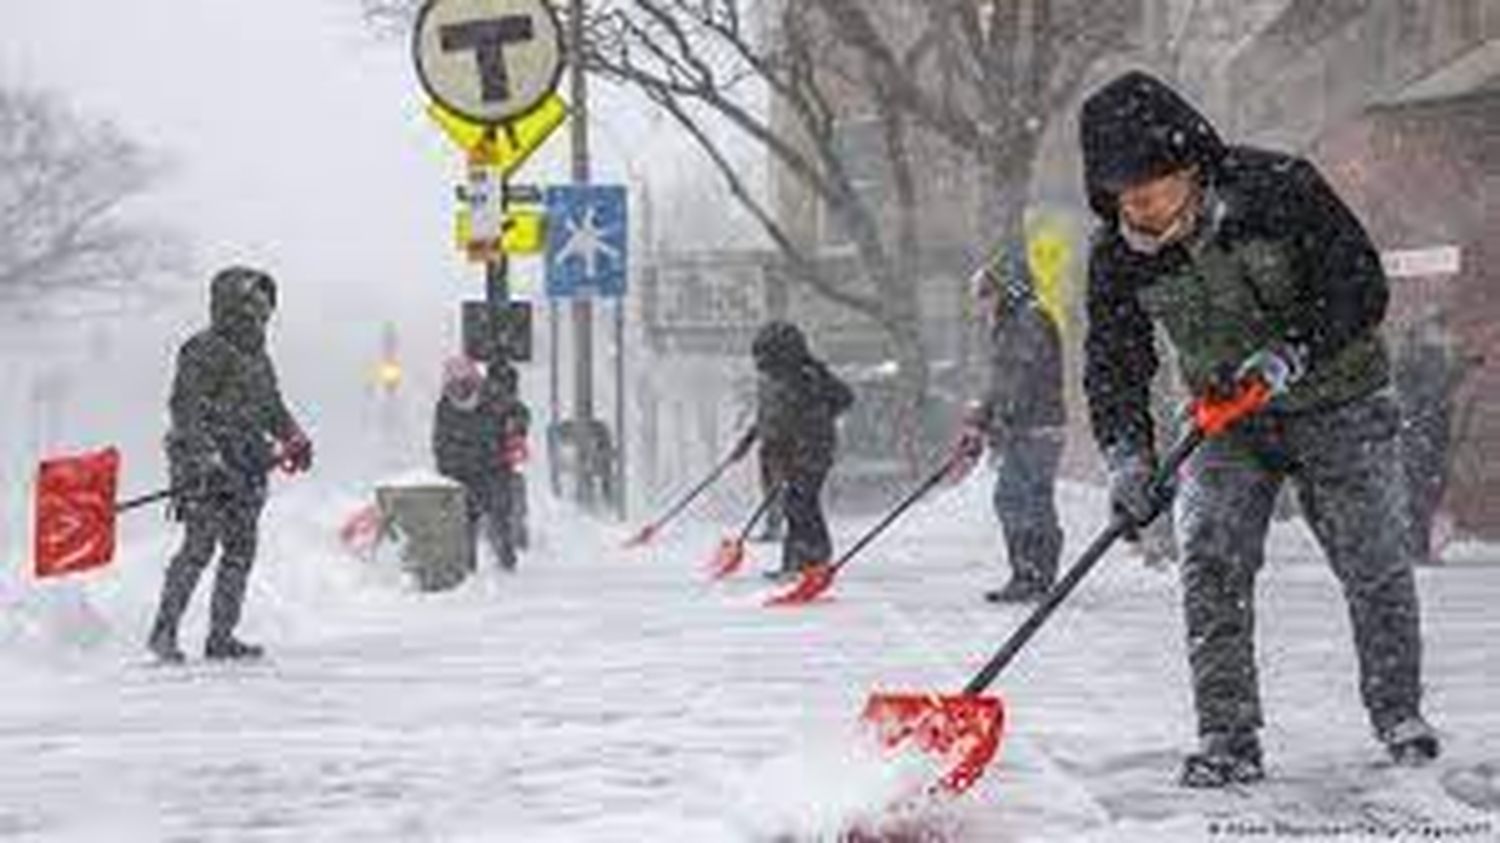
[
  {"x": 692, "y": 495},
  {"x": 137, "y": 502},
  {"x": 761, "y": 510},
  {"x": 900, "y": 509},
  {"x": 1119, "y": 526}
]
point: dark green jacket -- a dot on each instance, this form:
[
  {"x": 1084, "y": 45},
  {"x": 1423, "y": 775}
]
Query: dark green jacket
[{"x": 1276, "y": 259}]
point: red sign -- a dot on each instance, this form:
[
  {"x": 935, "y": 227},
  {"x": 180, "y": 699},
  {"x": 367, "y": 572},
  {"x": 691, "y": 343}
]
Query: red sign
[{"x": 75, "y": 512}]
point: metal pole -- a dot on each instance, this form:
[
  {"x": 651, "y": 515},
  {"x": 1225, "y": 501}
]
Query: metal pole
[
  {"x": 583, "y": 308},
  {"x": 620, "y": 496}
]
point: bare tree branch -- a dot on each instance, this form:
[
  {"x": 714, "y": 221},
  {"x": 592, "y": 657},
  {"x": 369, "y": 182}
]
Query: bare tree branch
[{"x": 64, "y": 185}]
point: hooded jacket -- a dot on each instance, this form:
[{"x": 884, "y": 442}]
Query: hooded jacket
[
  {"x": 468, "y": 438},
  {"x": 798, "y": 401},
  {"x": 1276, "y": 258},
  {"x": 225, "y": 400}
]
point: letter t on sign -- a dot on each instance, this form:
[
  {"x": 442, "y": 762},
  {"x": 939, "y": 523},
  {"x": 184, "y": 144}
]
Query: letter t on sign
[{"x": 487, "y": 38}]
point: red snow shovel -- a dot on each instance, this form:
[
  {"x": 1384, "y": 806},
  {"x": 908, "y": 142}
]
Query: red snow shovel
[
  {"x": 648, "y": 532},
  {"x": 963, "y": 731},
  {"x": 76, "y": 509},
  {"x": 731, "y": 553},
  {"x": 818, "y": 578}
]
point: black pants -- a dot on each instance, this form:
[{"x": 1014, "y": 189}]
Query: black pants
[
  {"x": 489, "y": 507},
  {"x": 1024, "y": 502},
  {"x": 230, "y": 522},
  {"x": 1345, "y": 464},
  {"x": 807, "y": 540}
]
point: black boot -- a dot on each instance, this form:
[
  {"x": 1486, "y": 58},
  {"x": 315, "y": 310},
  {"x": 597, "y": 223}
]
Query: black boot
[
  {"x": 1412, "y": 743},
  {"x": 163, "y": 645},
  {"x": 1020, "y": 589},
  {"x": 228, "y": 648},
  {"x": 1222, "y": 759}
]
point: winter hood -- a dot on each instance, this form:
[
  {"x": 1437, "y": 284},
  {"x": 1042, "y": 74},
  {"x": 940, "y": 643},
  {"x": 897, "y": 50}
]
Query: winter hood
[
  {"x": 240, "y": 301},
  {"x": 1136, "y": 128}
]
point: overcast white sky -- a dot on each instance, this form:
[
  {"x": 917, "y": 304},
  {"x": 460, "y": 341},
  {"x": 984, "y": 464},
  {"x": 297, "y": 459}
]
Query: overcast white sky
[{"x": 299, "y": 143}]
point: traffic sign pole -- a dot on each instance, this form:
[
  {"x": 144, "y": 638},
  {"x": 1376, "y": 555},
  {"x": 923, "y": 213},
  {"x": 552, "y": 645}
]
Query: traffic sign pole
[{"x": 583, "y": 307}]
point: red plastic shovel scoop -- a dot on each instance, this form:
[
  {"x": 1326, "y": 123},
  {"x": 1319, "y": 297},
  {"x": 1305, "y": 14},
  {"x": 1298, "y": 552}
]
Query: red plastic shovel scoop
[
  {"x": 962, "y": 731},
  {"x": 731, "y": 553}
]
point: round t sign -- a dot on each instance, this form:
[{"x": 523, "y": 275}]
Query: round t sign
[{"x": 488, "y": 60}]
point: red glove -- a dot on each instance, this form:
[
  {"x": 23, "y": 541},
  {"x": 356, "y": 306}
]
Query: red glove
[
  {"x": 514, "y": 451},
  {"x": 296, "y": 453}
]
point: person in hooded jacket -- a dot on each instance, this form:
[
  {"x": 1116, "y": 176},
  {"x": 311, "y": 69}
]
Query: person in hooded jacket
[
  {"x": 798, "y": 402},
  {"x": 229, "y": 428},
  {"x": 1252, "y": 265},
  {"x": 1020, "y": 416},
  {"x": 478, "y": 432}
]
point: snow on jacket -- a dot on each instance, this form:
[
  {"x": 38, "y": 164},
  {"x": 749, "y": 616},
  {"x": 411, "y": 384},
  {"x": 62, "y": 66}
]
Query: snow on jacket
[{"x": 1277, "y": 258}]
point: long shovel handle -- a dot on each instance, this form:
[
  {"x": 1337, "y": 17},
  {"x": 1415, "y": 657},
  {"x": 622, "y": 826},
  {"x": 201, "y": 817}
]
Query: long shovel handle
[
  {"x": 1209, "y": 418},
  {"x": 764, "y": 507},
  {"x": 138, "y": 502},
  {"x": 1119, "y": 527},
  {"x": 649, "y": 531},
  {"x": 900, "y": 509}
]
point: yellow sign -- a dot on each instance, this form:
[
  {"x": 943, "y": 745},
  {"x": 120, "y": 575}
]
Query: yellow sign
[
  {"x": 506, "y": 146},
  {"x": 525, "y": 233},
  {"x": 1049, "y": 254}
]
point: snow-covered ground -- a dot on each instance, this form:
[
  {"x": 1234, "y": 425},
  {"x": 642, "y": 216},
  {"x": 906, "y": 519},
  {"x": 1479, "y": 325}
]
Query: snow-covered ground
[{"x": 603, "y": 694}]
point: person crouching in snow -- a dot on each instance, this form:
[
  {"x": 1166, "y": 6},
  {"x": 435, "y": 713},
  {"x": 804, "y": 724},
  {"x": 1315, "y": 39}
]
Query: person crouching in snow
[
  {"x": 1240, "y": 255},
  {"x": 1020, "y": 417},
  {"x": 226, "y": 412},
  {"x": 798, "y": 401},
  {"x": 478, "y": 432}
]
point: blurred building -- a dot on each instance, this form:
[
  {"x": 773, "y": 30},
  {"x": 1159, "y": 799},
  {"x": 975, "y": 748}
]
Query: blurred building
[{"x": 1399, "y": 103}]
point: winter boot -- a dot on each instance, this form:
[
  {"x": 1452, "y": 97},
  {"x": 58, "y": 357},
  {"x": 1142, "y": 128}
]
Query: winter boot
[
  {"x": 229, "y": 648},
  {"x": 163, "y": 645},
  {"x": 1222, "y": 759},
  {"x": 1412, "y": 742},
  {"x": 1018, "y": 590}
]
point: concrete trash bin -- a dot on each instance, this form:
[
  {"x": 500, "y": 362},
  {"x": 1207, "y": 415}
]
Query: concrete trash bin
[{"x": 430, "y": 522}]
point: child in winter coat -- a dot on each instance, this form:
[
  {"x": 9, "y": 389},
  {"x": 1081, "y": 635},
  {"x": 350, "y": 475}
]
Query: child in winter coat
[
  {"x": 798, "y": 401},
  {"x": 477, "y": 433}
]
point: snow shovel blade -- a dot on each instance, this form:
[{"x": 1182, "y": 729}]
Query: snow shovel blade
[
  {"x": 727, "y": 559},
  {"x": 75, "y": 513},
  {"x": 810, "y": 584},
  {"x": 960, "y": 731}
]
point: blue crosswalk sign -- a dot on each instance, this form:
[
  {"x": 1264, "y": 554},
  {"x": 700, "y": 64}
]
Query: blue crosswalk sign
[{"x": 587, "y": 238}]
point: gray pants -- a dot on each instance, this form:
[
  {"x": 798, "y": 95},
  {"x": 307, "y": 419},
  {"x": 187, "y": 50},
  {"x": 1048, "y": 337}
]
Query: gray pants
[
  {"x": 1025, "y": 502},
  {"x": 230, "y": 522},
  {"x": 1347, "y": 470}
]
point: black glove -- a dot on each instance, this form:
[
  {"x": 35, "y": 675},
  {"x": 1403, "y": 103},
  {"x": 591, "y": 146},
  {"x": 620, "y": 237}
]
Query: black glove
[{"x": 1133, "y": 492}]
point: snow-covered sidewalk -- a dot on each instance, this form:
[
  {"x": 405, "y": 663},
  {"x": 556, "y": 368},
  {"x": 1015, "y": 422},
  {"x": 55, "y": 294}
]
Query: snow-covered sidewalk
[{"x": 603, "y": 694}]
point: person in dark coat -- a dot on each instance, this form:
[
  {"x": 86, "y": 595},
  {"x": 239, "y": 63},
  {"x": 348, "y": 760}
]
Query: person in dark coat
[
  {"x": 228, "y": 419},
  {"x": 798, "y": 402},
  {"x": 477, "y": 431},
  {"x": 1250, "y": 264},
  {"x": 1020, "y": 417}
]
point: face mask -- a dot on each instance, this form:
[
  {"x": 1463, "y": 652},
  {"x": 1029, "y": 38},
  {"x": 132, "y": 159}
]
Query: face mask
[{"x": 1190, "y": 223}]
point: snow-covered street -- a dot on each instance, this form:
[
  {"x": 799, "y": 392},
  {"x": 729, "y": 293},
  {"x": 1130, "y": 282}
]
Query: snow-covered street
[{"x": 602, "y": 694}]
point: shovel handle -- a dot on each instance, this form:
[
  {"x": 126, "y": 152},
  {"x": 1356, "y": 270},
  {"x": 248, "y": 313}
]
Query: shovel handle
[
  {"x": 1210, "y": 418},
  {"x": 906, "y": 503},
  {"x": 143, "y": 500},
  {"x": 650, "y": 530},
  {"x": 760, "y": 511}
]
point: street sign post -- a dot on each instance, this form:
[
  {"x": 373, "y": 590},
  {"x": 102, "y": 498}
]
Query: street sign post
[
  {"x": 491, "y": 68},
  {"x": 587, "y": 241}
]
